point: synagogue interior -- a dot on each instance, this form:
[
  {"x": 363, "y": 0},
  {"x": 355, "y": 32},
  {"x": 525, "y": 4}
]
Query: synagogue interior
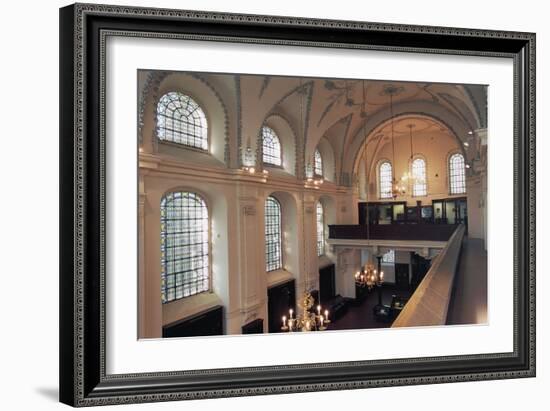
[{"x": 273, "y": 204}]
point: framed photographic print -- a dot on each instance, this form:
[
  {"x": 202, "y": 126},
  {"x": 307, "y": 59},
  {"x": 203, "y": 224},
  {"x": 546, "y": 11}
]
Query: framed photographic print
[{"x": 262, "y": 204}]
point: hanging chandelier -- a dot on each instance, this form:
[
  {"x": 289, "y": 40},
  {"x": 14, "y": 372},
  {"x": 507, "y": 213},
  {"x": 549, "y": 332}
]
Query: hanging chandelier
[
  {"x": 368, "y": 277},
  {"x": 306, "y": 319},
  {"x": 398, "y": 187}
]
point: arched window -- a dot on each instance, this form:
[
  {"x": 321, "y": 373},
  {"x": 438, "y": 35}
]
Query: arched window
[
  {"x": 457, "y": 174},
  {"x": 184, "y": 246},
  {"x": 419, "y": 177},
  {"x": 320, "y": 229},
  {"x": 181, "y": 120},
  {"x": 385, "y": 180},
  {"x": 389, "y": 257},
  {"x": 273, "y": 241},
  {"x": 318, "y": 162},
  {"x": 271, "y": 146}
]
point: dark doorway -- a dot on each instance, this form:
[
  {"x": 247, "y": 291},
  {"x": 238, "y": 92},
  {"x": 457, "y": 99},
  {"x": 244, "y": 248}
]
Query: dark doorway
[
  {"x": 280, "y": 299},
  {"x": 402, "y": 276},
  {"x": 327, "y": 285},
  {"x": 419, "y": 268}
]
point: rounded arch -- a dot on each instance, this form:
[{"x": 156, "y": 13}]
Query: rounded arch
[
  {"x": 287, "y": 137},
  {"x": 418, "y": 166},
  {"x": 384, "y": 178},
  {"x": 330, "y": 218},
  {"x": 209, "y": 101},
  {"x": 373, "y": 136},
  {"x": 180, "y": 276},
  {"x": 329, "y": 160},
  {"x": 217, "y": 206},
  {"x": 456, "y": 172},
  {"x": 181, "y": 120},
  {"x": 289, "y": 230}
]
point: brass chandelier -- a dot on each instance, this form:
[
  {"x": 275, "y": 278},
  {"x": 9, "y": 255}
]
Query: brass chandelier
[
  {"x": 369, "y": 277},
  {"x": 306, "y": 320}
]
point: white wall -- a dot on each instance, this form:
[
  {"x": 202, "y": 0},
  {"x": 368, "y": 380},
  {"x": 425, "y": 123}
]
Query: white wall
[{"x": 29, "y": 354}]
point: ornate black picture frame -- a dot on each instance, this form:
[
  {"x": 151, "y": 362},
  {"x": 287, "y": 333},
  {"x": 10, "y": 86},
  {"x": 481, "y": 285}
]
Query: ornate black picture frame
[{"x": 83, "y": 30}]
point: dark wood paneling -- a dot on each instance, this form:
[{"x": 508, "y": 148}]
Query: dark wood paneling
[
  {"x": 402, "y": 276},
  {"x": 254, "y": 327},
  {"x": 280, "y": 299},
  {"x": 409, "y": 232},
  {"x": 327, "y": 283},
  {"x": 208, "y": 322}
]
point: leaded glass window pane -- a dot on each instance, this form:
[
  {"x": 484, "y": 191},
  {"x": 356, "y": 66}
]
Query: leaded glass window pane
[
  {"x": 181, "y": 120},
  {"x": 457, "y": 174},
  {"x": 385, "y": 180},
  {"x": 419, "y": 177},
  {"x": 273, "y": 243},
  {"x": 271, "y": 147},
  {"x": 318, "y": 161},
  {"x": 389, "y": 257},
  {"x": 320, "y": 229},
  {"x": 184, "y": 243}
]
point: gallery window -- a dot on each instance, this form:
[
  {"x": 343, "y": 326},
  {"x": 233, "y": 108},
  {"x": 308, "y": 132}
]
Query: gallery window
[
  {"x": 385, "y": 180},
  {"x": 419, "y": 177},
  {"x": 320, "y": 229},
  {"x": 457, "y": 174},
  {"x": 271, "y": 147},
  {"x": 318, "y": 163},
  {"x": 389, "y": 257},
  {"x": 181, "y": 120},
  {"x": 184, "y": 242},
  {"x": 273, "y": 240}
]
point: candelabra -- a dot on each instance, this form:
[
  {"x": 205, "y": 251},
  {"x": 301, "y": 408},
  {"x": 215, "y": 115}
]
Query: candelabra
[
  {"x": 306, "y": 320},
  {"x": 368, "y": 277}
]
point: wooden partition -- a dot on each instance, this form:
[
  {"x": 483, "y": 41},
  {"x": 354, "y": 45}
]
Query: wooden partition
[{"x": 430, "y": 302}]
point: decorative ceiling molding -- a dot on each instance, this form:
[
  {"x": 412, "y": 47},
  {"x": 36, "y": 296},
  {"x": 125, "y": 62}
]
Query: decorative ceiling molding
[
  {"x": 151, "y": 90},
  {"x": 265, "y": 83}
]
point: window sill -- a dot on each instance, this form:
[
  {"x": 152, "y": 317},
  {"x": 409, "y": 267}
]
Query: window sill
[
  {"x": 186, "y": 307},
  {"x": 277, "y": 277}
]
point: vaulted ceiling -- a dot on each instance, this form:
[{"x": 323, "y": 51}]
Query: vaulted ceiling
[{"x": 345, "y": 112}]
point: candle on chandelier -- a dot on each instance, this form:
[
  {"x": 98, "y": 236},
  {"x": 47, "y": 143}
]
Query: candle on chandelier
[
  {"x": 284, "y": 320},
  {"x": 318, "y": 310},
  {"x": 326, "y": 314},
  {"x": 291, "y": 311}
]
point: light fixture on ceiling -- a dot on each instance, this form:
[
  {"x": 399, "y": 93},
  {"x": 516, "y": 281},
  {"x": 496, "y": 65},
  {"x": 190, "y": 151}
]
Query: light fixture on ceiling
[
  {"x": 249, "y": 162},
  {"x": 398, "y": 187},
  {"x": 369, "y": 277}
]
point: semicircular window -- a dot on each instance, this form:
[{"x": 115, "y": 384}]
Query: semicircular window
[{"x": 181, "y": 120}]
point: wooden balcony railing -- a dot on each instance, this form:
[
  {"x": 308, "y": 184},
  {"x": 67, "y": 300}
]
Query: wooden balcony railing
[
  {"x": 430, "y": 302},
  {"x": 405, "y": 232}
]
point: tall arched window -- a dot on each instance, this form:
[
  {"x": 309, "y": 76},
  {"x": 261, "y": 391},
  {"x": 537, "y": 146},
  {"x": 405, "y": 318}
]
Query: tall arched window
[
  {"x": 273, "y": 240},
  {"x": 385, "y": 180},
  {"x": 271, "y": 147},
  {"x": 320, "y": 229},
  {"x": 184, "y": 246},
  {"x": 457, "y": 174},
  {"x": 181, "y": 120},
  {"x": 419, "y": 177},
  {"x": 318, "y": 163}
]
